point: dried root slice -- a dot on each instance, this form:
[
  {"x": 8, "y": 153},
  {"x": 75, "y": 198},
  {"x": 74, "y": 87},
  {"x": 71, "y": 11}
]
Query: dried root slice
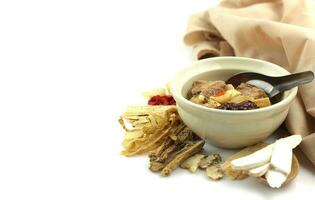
[
  {"x": 210, "y": 160},
  {"x": 182, "y": 156},
  {"x": 215, "y": 172},
  {"x": 253, "y": 160},
  {"x": 235, "y": 174},
  {"x": 192, "y": 163}
]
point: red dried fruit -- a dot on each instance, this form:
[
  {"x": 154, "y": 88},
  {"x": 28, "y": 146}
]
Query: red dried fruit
[{"x": 162, "y": 100}]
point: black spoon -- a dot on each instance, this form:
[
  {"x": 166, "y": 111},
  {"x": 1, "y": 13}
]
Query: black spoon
[{"x": 273, "y": 86}]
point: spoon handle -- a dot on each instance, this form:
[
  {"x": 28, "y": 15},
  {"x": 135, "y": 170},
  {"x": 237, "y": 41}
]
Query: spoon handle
[{"x": 293, "y": 80}]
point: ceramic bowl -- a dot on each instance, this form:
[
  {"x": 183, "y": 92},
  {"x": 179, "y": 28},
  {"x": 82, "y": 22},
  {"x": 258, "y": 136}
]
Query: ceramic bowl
[{"x": 229, "y": 128}]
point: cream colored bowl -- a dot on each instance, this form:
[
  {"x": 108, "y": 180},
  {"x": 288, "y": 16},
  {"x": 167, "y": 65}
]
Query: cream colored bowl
[{"x": 226, "y": 128}]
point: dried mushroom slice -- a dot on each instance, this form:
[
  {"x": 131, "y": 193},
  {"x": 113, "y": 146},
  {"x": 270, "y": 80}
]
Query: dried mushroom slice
[
  {"x": 192, "y": 163},
  {"x": 187, "y": 151},
  {"x": 215, "y": 172},
  {"x": 210, "y": 160}
]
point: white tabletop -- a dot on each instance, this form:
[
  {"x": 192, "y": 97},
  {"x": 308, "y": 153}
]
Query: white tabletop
[{"x": 67, "y": 71}]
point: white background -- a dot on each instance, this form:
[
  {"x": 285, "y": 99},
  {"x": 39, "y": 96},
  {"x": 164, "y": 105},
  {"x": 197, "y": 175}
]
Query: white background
[{"x": 67, "y": 71}]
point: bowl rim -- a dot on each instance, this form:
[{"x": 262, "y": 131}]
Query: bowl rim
[{"x": 181, "y": 99}]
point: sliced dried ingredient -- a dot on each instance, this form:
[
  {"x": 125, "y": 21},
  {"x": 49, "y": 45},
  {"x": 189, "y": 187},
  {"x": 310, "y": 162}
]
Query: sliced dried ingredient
[
  {"x": 215, "y": 172},
  {"x": 178, "y": 147},
  {"x": 253, "y": 160},
  {"x": 239, "y": 174},
  {"x": 210, "y": 160},
  {"x": 262, "y": 102},
  {"x": 259, "y": 171},
  {"x": 241, "y": 98},
  {"x": 192, "y": 163},
  {"x": 150, "y": 126},
  {"x": 189, "y": 150}
]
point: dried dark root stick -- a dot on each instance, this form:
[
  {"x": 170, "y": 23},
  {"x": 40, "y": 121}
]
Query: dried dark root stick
[{"x": 178, "y": 147}]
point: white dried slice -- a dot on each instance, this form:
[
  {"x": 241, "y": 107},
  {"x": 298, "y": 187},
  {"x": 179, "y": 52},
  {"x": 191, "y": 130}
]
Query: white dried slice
[
  {"x": 256, "y": 159},
  {"x": 293, "y": 140},
  {"x": 192, "y": 163},
  {"x": 275, "y": 178},
  {"x": 259, "y": 171},
  {"x": 215, "y": 172},
  {"x": 281, "y": 159},
  {"x": 210, "y": 160}
]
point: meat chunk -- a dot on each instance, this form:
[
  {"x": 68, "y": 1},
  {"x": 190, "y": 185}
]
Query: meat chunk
[
  {"x": 207, "y": 88},
  {"x": 249, "y": 90}
]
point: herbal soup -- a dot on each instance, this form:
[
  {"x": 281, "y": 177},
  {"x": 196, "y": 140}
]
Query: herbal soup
[{"x": 219, "y": 95}]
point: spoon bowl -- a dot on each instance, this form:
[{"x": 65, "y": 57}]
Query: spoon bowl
[{"x": 273, "y": 86}]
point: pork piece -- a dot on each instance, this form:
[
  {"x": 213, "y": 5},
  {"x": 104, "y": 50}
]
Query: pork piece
[
  {"x": 206, "y": 88},
  {"x": 174, "y": 151},
  {"x": 252, "y": 91}
]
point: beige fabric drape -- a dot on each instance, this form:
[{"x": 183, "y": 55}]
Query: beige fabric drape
[{"x": 279, "y": 31}]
